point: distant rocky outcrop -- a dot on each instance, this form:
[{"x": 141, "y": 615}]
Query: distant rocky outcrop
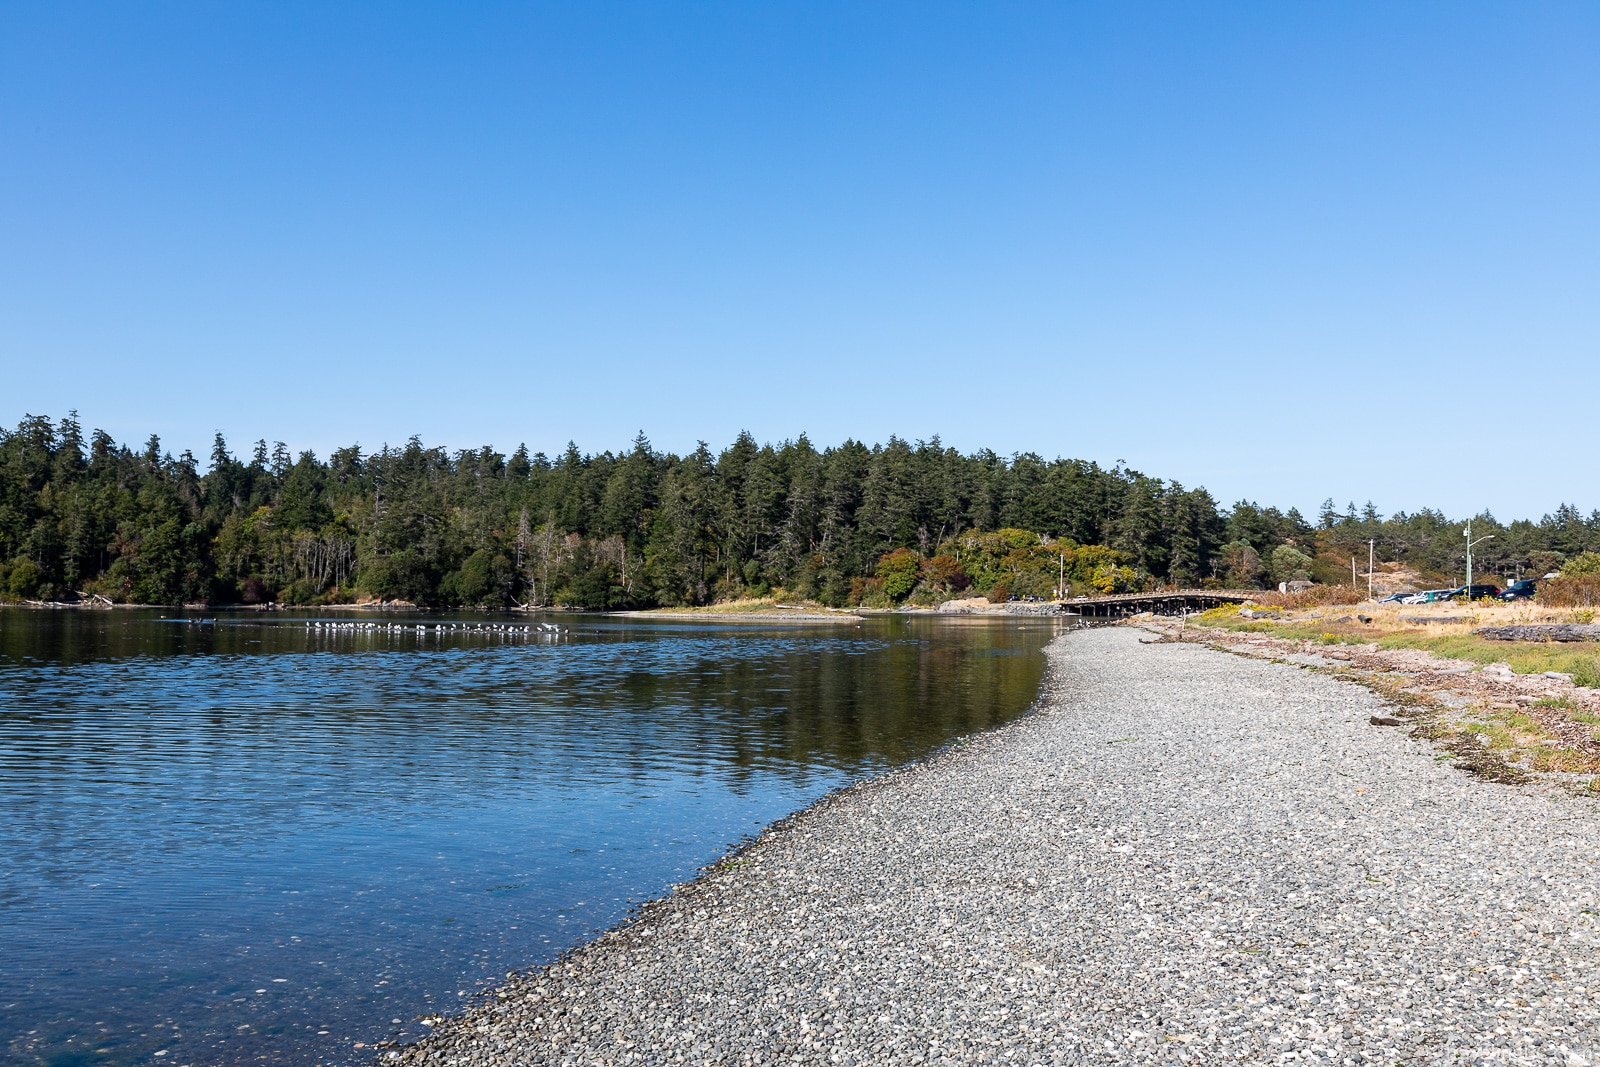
[{"x": 969, "y": 606}]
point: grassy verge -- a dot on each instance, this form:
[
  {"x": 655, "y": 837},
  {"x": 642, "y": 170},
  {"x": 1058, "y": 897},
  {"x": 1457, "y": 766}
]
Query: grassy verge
[{"x": 1449, "y": 640}]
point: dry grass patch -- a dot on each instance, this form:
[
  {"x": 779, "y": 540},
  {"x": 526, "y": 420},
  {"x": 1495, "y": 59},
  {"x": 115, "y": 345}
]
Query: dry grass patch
[
  {"x": 1392, "y": 628},
  {"x": 1495, "y": 744},
  {"x": 1316, "y": 596},
  {"x": 1485, "y": 751}
]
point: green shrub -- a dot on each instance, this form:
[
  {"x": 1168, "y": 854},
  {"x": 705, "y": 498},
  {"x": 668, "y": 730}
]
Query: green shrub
[
  {"x": 1583, "y": 565},
  {"x": 1587, "y": 674},
  {"x": 1289, "y": 564},
  {"x": 24, "y": 578},
  {"x": 898, "y": 571}
]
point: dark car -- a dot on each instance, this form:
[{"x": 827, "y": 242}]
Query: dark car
[
  {"x": 1475, "y": 592},
  {"x": 1522, "y": 590}
]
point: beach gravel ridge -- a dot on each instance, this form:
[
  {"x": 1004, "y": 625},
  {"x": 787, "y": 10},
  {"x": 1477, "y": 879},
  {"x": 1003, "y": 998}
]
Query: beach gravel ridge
[{"x": 1182, "y": 857}]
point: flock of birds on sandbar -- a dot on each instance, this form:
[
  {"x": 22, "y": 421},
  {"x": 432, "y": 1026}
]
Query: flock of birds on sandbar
[
  {"x": 329, "y": 627},
  {"x": 440, "y": 629}
]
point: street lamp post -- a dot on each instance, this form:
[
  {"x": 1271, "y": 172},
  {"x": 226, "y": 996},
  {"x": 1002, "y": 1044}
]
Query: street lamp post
[{"x": 1470, "y": 543}]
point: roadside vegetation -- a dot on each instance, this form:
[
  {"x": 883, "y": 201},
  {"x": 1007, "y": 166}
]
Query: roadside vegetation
[{"x": 1578, "y": 586}]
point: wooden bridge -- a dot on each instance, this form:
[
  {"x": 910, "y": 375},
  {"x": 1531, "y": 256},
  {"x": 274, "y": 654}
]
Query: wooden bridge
[{"x": 1165, "y": 602}]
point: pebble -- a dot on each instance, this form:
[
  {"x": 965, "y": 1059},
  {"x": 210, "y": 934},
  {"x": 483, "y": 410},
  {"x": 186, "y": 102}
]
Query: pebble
[{"x": 1183, "y": 857}]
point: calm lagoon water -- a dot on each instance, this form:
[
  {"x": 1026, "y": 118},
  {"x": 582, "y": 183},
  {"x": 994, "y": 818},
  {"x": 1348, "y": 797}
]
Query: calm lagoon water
[{"x": 248, "y": 842}]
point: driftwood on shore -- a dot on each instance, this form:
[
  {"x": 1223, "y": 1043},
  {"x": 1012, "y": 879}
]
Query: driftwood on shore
[{"x": 1565, "y": 631}]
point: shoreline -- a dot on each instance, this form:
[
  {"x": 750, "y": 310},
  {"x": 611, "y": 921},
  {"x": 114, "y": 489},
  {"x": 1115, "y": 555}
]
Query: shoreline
[
  {"x": 409, "y": 608},
  {"x": 676, "y": 894},
  {"x": 1049, "y": 610},
  {"x": 739, "y": 616},
  {"x": 680, "y": 894},
  {"x": 1087, "y": 882}
]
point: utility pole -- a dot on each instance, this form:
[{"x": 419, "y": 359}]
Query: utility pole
[
  {"x": 1372, "y": 547},
  {"x": 1061, "y": 579},
  {"x": 1470, "y": 543}
]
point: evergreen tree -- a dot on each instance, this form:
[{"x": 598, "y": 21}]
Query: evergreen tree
[{"x": 892, "y": 522}]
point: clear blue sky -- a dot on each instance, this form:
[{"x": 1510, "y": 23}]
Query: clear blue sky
[{"x": 1286, "y": 251}]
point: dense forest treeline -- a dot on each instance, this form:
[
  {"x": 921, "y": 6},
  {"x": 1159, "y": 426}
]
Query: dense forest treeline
[{"x": 848, "y": 524}]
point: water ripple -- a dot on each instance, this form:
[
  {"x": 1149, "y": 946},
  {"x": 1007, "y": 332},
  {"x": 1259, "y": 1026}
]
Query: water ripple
[{"x": 256, "y": 841}]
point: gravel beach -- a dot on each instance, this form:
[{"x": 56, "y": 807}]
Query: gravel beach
[{"x": 1183, "y": 856}]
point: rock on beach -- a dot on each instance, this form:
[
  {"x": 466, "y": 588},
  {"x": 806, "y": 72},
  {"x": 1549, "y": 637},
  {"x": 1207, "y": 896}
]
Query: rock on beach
[{"x": 1183, "y": 856}]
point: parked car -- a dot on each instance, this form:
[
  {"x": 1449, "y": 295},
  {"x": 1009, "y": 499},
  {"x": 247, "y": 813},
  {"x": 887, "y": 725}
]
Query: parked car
[
  {"x": 1394, "y": 598},
  {"x": 1428, "y": 596},
  {"x": 1522, "y": 590},
  {"x": 1475, "y": 592}
]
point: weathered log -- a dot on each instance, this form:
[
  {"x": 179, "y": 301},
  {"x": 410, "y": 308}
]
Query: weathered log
[{"x": 1565, "y": 631}]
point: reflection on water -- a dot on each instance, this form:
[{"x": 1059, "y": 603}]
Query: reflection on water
[{"x": 251, "y": 841}]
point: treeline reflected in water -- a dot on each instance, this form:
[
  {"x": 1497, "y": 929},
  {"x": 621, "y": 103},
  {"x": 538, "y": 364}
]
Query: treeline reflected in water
[
  {"x": 178, "y": 794},
  {"x": 607, "y": 699}
]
